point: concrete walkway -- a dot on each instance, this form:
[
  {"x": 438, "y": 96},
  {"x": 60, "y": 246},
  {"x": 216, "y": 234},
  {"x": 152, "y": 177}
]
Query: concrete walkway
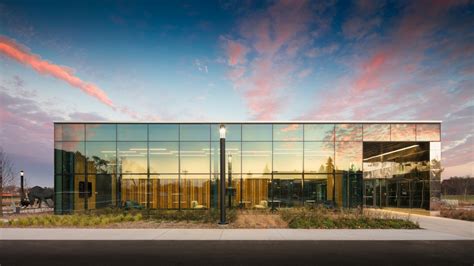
[
  {"x": 435, "y": 224},
  {"x": 224, "y": 234},
  {"x": 434, "y": 228}
]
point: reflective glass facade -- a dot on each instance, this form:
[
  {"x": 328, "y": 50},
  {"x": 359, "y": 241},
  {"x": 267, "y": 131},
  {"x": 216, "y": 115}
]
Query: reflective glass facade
[{"x": 280, "y": 164}]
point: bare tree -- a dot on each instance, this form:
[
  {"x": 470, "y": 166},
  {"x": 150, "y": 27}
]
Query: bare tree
[{"x": 7, "y": 176}]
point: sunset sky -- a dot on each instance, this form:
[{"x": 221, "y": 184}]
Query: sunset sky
[{"x": 233, "y": 60}]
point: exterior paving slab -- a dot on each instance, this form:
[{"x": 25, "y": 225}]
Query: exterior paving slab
[{"x": 224, "y": 234}]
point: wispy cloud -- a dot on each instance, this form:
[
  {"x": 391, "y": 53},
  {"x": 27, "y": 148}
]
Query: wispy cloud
[
  {"x": 266, "y": 52},
  {"x": 21, "y": 54}
]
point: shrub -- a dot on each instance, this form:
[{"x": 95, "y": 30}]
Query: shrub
[
  {"x": 461, "y": 214},
  {"x": 324, "y": 218}
]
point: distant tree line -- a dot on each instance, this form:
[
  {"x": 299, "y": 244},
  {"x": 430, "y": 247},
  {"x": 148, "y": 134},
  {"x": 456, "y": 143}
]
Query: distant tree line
[{"x": 458, "y": 186}]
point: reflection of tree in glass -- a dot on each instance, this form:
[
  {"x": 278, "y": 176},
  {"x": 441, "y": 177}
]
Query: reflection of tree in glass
[{"x": 100, "y": 164}]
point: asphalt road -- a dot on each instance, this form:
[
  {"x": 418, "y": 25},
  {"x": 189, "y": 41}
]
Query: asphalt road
[{"x": 133, "y": 253}]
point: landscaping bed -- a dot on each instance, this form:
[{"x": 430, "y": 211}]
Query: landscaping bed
[
  {"x": 323, "y": 218},
  {"x": 320, "y": 218}
]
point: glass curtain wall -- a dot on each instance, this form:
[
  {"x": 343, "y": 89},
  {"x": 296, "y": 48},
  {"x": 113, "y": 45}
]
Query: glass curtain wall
[{"x": 176, "y": 166}]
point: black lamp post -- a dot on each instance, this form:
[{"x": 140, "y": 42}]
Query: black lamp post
[
  {"x": 231, "y": 189},
  {"x": 222, "y": 181},
  {"x": 22, "y": 188}
]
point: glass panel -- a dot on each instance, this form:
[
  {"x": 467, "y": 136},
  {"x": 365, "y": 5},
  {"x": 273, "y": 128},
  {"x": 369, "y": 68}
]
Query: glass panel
[
  {"x": 164, "y": 157},
  {"x": 257, "y": 132},
  {"x": 402, "y": 132},
  {"x": 64, "y": 191},
  {"x": 287, "y": 132},
  {"x": 376, "y": 132},
  {"x": 348, "y": 132},
  {"x": 163, "y": 132},
  {"x": 232, "y": 150},
  {"x": 287, "y": 191},
  {"x": 69, "y": 132},
  {"x": 256, "y": 157},
  {"x": 103, "y": 191},
  {"x": 288, "y": 157},
  {"x": 315, "y": 189},
  {"x": 195, "y": 132},
  {"x": 127, "y": 132},
  {"x": 348, "y": 156},
  {"x": 319, "y": 132},
  {"x": 101, "y": 132},
  {"x": 233, "y": 132},
  {"x": 70, "y": 157},
  {"x": 195, "y": 157},
  {"x": 101, "y": 157},
  {"x": 435, "y": 176},
  {"x": 195, "y": 191},
  {"x": 428, "y": 132},
  {"x": 132, "y": 157},
  {"x": 256, "y": 191},
  {"x": 164, "y": 192},
  {"x": 134, "y": 191},
  {"x": 318, "y": 157}
]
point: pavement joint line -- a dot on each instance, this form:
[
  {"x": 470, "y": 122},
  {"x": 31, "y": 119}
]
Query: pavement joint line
[{"x": 161, "y": 234}]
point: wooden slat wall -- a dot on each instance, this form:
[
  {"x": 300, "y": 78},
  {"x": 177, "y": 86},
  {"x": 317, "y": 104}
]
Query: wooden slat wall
[
  {"x": 134, "y": 190},
  {"x": 255, "y": 190}
]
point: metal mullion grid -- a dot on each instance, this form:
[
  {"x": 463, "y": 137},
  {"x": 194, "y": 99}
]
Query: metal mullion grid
[
  {"x": 273, "y": 187},
  {"x": 148, "y": 189},
  {"x": 302, "y": 170},
  {"x": 179, "y": 167},
  {"x": 210, "y": 164}
]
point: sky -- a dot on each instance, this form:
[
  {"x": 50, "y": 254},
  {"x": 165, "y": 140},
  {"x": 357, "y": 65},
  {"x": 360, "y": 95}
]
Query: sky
[{"x": 233, "y": 60}]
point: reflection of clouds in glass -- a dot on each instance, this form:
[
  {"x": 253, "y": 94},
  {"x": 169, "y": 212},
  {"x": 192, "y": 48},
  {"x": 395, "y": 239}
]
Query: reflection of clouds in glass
[
  {"x": 428, "y": 132},
  {"x": 348, "y": 155},
  {"x": 376, "y": 132},
  {"x": 288, "y": 156},
  {"x": 402, "y": 132},
  {"x": 69, "y": 132},
  {"x": 319, "y": 132},
  {"x": 317, "y": 156},
  {"x": 348, "y": 132}
]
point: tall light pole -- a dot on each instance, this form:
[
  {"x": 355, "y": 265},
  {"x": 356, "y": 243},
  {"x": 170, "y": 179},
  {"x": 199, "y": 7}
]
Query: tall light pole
[
  {"x": 22, "y": 187},
  {"x": 231, "y": 189},
  {"x": 222, "y": 159}
]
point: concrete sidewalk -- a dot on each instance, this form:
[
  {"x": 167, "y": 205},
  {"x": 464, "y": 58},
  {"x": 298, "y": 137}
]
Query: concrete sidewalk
[
  {"x": 435, "y": 224},
  {"x": 224, "y": 234}
]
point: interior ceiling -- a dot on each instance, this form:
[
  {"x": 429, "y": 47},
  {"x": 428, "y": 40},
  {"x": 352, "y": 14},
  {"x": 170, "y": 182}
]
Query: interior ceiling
[{"x": 375, "y": 148}]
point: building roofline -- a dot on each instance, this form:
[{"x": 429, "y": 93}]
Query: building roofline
[{"x": 261, "y": 122}]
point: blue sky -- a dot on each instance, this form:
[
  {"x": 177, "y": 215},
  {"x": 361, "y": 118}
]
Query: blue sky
[{"x": 234, "y": 60}]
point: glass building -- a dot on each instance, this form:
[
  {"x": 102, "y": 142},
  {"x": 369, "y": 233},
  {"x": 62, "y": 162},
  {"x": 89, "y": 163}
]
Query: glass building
[{"x": 271, "y": 164}]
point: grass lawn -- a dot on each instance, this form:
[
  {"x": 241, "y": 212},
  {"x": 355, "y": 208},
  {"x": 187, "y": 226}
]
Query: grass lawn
[{"x": 321, "y": 218}]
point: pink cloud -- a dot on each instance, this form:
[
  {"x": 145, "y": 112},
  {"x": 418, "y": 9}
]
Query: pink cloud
[
  {"x": 396, "y": 79},
  {"x": 274, "y": 38},
  {"x": 21, "y": 54},
  {"x": 236, "y": 52}
]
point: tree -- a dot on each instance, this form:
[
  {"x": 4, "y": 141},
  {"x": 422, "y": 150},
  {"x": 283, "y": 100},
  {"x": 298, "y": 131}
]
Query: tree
[{"x": 7, "y": 176}]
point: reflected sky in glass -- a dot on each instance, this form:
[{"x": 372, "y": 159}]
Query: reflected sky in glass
[
  {"x": 403, "y": 132},
  {"x": 164, "y": 157},
  {"x": 288, "y": 157},
  {"x": 318, "y": 155},
  {"x": 287, "y": 132},
  {"x": 319, "y": 132},
  {"x": 132, "y": 132},
  {"x": 101, "y": 132},
  {"x": 196, "y": 132},
  {"x": 195, "y": 157},
  {"x": 164, "y": 132},
  {"x": 348, "y": 132},
  {"x": 132, "y": 157},
  {"x": 348, "y": 156},
  {"x": 102, "y": 156},
  {"x": 376, "y": 132},
  {"x": 257, "y": 132},
  {"x": 427, "y": 132},
  {"x": 256, "y": 157}
]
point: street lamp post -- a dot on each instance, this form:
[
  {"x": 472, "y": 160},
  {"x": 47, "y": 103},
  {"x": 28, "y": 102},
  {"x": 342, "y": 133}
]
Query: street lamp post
[
  {"x": 229, "y": 159},
  {"x": 222, "y": 181},
  {"x": 22, "y": 187}
]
